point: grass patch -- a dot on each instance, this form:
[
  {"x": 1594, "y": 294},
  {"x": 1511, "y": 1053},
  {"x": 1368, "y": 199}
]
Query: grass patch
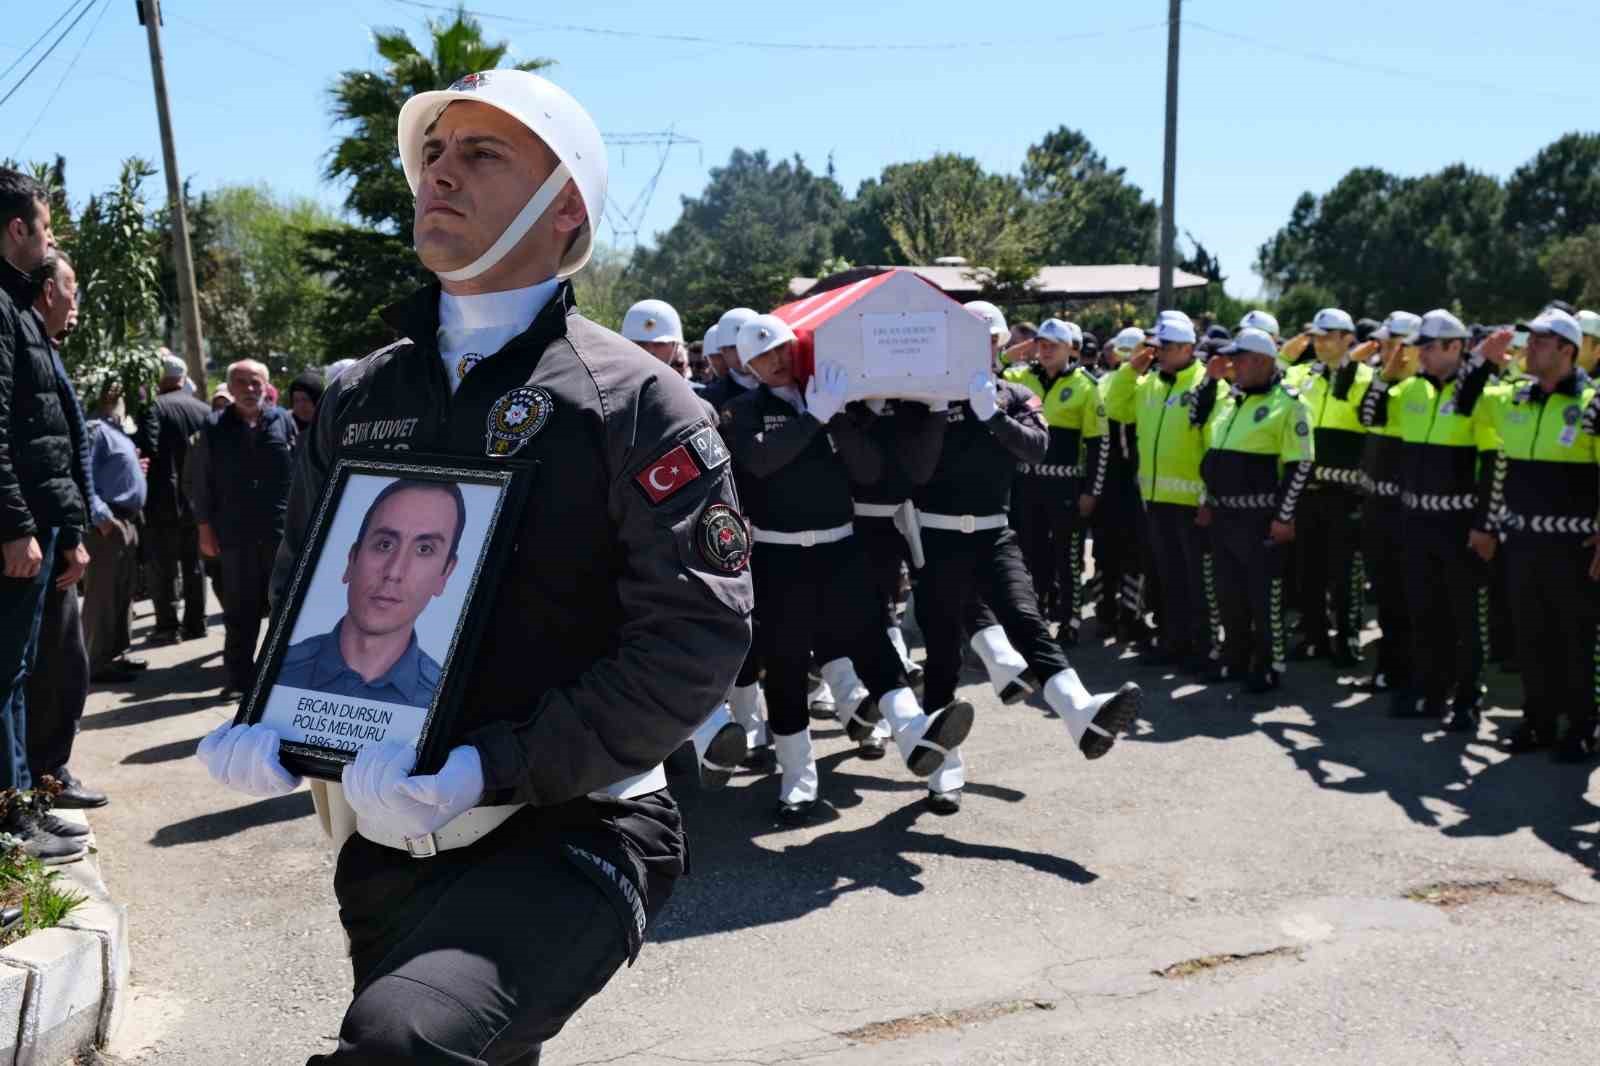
[
  {"x": 1460, "y": 893},
  {"x": 917, "y": 1024}
]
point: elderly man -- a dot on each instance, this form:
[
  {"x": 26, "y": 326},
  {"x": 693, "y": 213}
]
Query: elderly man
[
  {"x": 113, "y": 543},
  {"x": 623, "y": 617},
  {"x": 239, "y": 491},
  {"x": 41, "y": 496},
  {"x": 171, "y": 540}
]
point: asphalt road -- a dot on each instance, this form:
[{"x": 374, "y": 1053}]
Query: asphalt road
[{"x": 1289, "y": 845}]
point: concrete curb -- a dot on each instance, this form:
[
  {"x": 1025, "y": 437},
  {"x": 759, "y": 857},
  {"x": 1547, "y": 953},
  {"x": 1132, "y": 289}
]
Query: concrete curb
[{"x": 62, "y": 989}]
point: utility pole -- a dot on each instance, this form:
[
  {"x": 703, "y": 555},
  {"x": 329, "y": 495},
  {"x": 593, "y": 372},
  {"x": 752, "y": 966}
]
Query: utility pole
[
  {"x": 1169, "y": 170},
  {"x": 183, "y": 261}
]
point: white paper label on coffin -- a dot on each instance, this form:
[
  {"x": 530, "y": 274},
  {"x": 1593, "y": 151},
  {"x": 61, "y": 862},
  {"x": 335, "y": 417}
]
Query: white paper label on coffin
[{"x": 905, "y": 345}]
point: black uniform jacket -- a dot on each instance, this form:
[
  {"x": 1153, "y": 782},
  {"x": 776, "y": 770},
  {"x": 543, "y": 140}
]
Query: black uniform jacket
[
  {"x": 38, "y": 484},
  {"x": 623, "y": 615},
  {"x": 977, "y": 460}
]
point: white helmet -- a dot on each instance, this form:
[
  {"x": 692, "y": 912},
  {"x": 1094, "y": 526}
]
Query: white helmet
[
  {"x": 1261, "y": 320},
  {"x": 652, "y": 320},
  {"x": 551, "y": 115},
  {"x": 1129, "y": 339},
  {"x": 762, "y": 334},
  {"x": 990, "y": 314},
  {"x": 728, "y": 327},
  {"x": 708, "y": 347}
]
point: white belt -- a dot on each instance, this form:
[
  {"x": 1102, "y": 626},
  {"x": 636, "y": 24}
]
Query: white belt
[
  {"x": 472, "y": 826},
  {"x": 806, "y": 538},
  {"x": 961, "y": 523},
  {"x": 877, "y": 510}
]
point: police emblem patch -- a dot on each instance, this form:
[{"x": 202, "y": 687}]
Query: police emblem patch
[
  {"x": 1302, "y": 428},
  {"x": 516, "y": 418},
  {"x": 1261, "y": 413},
  {"x": 466, "y": 363},
  {"x": 723, "y": 539},
  {"x": 1570, "y": 415}
]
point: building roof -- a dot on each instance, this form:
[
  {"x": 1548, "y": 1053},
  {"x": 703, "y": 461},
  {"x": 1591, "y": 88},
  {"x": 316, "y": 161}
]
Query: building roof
[{"x": 1052, "y": 283}]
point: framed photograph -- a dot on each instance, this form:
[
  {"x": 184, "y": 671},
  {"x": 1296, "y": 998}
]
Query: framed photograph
[{"x": 385, "y": 607}]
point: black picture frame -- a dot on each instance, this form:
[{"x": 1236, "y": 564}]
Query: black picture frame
[{"x": 299, "y": 754}]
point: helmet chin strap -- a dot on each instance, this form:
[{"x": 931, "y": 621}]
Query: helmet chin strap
[{"x": 518, "y": 229}]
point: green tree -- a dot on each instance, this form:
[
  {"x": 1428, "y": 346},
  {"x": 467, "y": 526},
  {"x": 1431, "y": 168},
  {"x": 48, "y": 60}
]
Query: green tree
[
  {"x": 1573, "y": 263},
  {"x": 756, "y": 225},
  {"x": 116, "y": 253},
  {"x": 379, "y": 195},
  {"x": 1552, "y": 197},
  {"x": 605, "y": 288},
  {"x": 1088, "y": 211},
  {"x": 948, "y": 205},
  {"x": 1300, "y": 305}
]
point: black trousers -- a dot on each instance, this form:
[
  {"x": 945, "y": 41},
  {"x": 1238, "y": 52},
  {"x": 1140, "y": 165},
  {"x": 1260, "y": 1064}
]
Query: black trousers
[
  {"x": 887, "y": 553},
  {"x": 1249, "y": 580},
  {"x": 1555, "y": 614},
  {"x": 58, "y": 688},
  {"x": 246, "y": 575},
  {"x": 965, "y": 569},
  {"x": 1118, "y": 549},
  {"x": 1446, "y": 595},
  {"x": 818, "y": 599},
  {"x": 176, "y": 576},
  {"x": 1178, "y": 547},
  {"x": 1384, "y": 546},
  {"x": 473, "y": 958},
  {"x": 1332, "y": 573},
  {"x": 1045, "y": 516}
]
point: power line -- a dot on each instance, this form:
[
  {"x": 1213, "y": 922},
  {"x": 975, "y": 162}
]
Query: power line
[
  {"x": 64, "y": 75},
  {"x": 1372, "y": 68},
  {"x": 53, "y": 46},
  {"x": 784, "y": 46},
  {"x": 18, "y": 61},
  {"x": 235, "y": 41}
]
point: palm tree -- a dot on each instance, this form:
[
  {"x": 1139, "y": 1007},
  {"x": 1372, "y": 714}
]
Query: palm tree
[{"x": 371, "y": 101}]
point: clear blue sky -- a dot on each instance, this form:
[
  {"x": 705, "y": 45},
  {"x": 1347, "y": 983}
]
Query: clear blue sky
[{"x": 1417, "y": 84}]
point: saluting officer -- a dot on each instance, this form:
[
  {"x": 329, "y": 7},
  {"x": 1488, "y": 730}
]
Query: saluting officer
[
  {"x": 1382, "y": 519},
  {"x": 1546, "y": 467},
  {"x": 1047, "y": 491},
  {"x": 813, "y": 589},
  {"x": 1157, "y": 399},
  {"x": 1332, "y": 571},
  {"x": 485, "y": 903},
  {"x": 1258, "y": 455},
  {"x": 1446, "y": 469},
  {"x": 1110, "y": 499}
]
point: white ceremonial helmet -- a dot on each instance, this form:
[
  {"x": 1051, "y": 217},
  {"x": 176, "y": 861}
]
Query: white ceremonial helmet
[
  {"x": 708, "y": 347},
  {"x": 652, "y": 320},
  {"x": 990, "y": 314},
  {"x": 551, "y": 115},
  {"x": 760, "y": 335},
  {"x": 728, "y": 327},
  {"x": 1262, "y": 320}
]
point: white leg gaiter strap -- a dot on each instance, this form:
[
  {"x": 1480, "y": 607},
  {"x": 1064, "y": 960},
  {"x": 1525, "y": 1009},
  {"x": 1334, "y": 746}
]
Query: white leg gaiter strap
[
  {"x": 707, "y": 732},
  {"x": 531, "y": 212},
  {"x": 1000, "y": 659},
  {"x": 898, "y": 639},
  {"x": 906, "y": 721},
  {"x": 848, "y": 692},
  {"x": 798, "y": 763},
  {"x": 745, "y": 703},
  {"x": 951, "y": 774},
  {"x": 1066, "y": 695}
]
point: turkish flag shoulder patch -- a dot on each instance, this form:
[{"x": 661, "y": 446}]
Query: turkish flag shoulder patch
[{"x": 667, "y": 474}]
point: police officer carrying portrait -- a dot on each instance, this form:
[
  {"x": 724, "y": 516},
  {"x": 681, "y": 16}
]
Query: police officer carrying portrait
[
  {"x": 550, "y": 840},
  {"x": 1258, "y": 456},
  {"x": 799, "y": 454},
  {"x": 1446, "y": 468}
]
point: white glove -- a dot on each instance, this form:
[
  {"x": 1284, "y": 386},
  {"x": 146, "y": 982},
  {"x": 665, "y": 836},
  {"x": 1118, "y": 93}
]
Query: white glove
[
  {"x": 827, "y": 392},
  {"x": 983, "y": 395},
  {"x": 245, "y": 759},
  {"x": 380, "y": 787}
]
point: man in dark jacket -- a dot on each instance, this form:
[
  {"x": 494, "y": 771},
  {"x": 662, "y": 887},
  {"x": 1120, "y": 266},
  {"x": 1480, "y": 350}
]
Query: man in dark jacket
[
  {"x": 171, "y": 537},
  {"x": 41, "y": 501},
  {"x": 239, "y": 490}
]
